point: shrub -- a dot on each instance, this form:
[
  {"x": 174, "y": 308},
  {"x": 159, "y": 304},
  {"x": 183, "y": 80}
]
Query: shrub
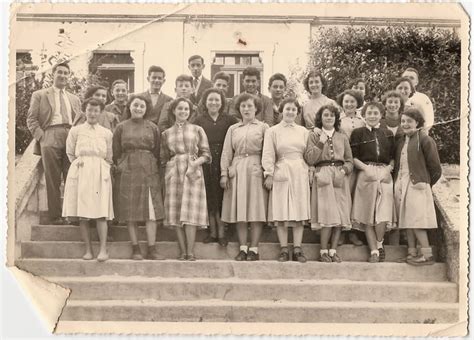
[{"x": 380, "y": 55}]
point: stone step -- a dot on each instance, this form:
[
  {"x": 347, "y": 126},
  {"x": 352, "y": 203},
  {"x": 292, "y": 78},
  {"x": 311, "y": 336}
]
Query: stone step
[
  {"x": 236, "y": 289},
  {"x": 260, "y": 311},
  {"x": 120, "y": 233},
  {"x": 222, "y": 269},
  {"x": 123, "y": 250}
]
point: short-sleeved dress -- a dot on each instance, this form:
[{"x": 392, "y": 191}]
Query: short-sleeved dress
[
  {"x": 88, "y": 188},
  {"x": 330, "y": 193},
  {"x": 246, "y": 199},
  {"x": 283, "y": 150},
  {"x": 185, "y": 198},
  {"x": 136, "y": 146},
  {"x": 311, "y": 107},
  {"x": 215, "y": 131}
]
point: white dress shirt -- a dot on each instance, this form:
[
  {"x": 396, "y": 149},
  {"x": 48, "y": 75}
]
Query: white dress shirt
[{"x": 57, "y": 117}]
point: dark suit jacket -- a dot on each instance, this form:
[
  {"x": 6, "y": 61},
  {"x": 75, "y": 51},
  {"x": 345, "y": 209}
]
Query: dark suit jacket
[
  {"x": 266, "y": 115},
  {"x": 40, "y": 113},
  {"x": 156, "y": 110},
  {"x": 203, "y": 86}
]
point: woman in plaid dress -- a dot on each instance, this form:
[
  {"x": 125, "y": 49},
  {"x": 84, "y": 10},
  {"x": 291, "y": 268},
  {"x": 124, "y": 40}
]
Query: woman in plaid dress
[{"x": 184, "y": 149}]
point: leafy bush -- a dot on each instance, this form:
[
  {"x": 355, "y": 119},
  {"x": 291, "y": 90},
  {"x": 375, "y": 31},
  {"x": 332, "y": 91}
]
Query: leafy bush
[{"x": 381, "y": 54}]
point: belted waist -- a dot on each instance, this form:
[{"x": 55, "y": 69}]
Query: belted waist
[
  {"x": 67, "y": 126},
  {"x": 290, "y": 155},
  {"x": 376, "y": 164},
  {"x": 244, "y": 155},
  {"x": 186, "y": 155},
  {"x": 330, "y": 163},
  {"x": 138, "y": 150}
]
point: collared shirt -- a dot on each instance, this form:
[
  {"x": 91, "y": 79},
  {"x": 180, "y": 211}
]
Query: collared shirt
[
  {"x": 154, "y": 97},
  {"x": 330, "y": 133},
  {"x": 348, "y": 124},
  {"x": 57, "y": 117},
  {"x": 372, "y": 127}
]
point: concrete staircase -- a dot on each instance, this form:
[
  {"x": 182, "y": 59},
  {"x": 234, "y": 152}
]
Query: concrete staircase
[{"x": 216, "y": 288}]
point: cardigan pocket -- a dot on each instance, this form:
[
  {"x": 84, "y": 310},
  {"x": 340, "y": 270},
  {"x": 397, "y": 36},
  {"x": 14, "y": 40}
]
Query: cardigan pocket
[{"x": 322, "y": 179}]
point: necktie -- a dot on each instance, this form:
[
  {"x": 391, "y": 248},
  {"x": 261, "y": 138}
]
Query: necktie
[
  {"x": 195, "y": 83},
  {"x": 62, "y": 107}
]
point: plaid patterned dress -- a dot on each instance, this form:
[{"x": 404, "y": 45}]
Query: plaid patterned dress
[{"x": 185, "y": 198}]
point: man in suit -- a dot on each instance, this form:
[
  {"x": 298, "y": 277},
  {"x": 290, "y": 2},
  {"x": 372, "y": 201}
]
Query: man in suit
[
  {"x": 250, "y": 82},
  {"x": 200, "y": 83},
  {"x": 50, "y": 116},
  {"x": 156, "y": 78}
]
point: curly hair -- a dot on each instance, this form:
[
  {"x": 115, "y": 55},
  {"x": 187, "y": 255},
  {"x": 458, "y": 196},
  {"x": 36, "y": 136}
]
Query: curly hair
[
  {"x": 244, "y": 97},
  {"x": 93, "y": 89},
  {"x": 378, "y": 105},
  {"x": 416, "y": 115},
  {"x": 202, "y": 104},
  {"x": 289, "y": 100},
  {"x": 337, "y": 121},
  {"x": 315, "y": 74},
  {"x": 356, "y": 81},
  {"x": 174, "y": 104},
  {"x": 394, "y": 94},
  {"x": 353, "y": 93},
  {"x": 128, "y": 113}
]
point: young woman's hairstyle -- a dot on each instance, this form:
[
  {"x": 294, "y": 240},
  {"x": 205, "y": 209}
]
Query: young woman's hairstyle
[
  {"x": 128, "y": 114},
  {"x": 315, "y": 74},
  {"x": 276, "y": 76},
  {"x": 202, "y": 103},
  {"x": 221, "y": 75},
  {"x": 394, "y": 94},
  {"x": 366, "y": 85},
  {"x": 289, "y": 100},
  {"x": 401, "y": 80},
  {"x": 174, "y": 104},
  {"x": 92, "y": 102},
  {"x": 378, "y": 105},
  {"x": 93, "y": 89},
  {"x": 183, "y": 77},
  {"x": 353, "y": 93},
  {"x": 416, "y": 115},
  {"x": 246, "y": 96},
  {"x": 318, "y": 120}
]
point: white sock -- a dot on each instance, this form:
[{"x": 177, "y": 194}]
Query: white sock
[
  {"x": 380, "y": 244},
  {"x": 254, "y": 249},
  {"x": 375, "y": 252},
  {"x": 332, "y": 252},
  {"x": 323, "y": 251},
  {"x": 244, "y": 249}
]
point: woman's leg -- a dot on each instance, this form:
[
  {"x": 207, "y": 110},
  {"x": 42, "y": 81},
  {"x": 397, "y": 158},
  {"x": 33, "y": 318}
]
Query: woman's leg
[
  {"x": 324, "y": 251},
  {"x": 412, "y": 252},
  {"x": 212, "y": 229},
  {"x": 335, "y": 237},
  {"x": 181, "y": 241},
  {"x": 150, "y": 232},
  {"x": 426, "y": 251},
  {"x": 220, "y": 225},
  {"x": 298, "y": 236},
  {"x": 255, "y": 233},
  {"x": 132, "y": 231},
  {"x": 242, "y": 231},
  {"x": 371, "y": 237},
  {"x": 282, "y": 233},
  {"x": 86, "y": 237},
  {"x": 190, "y": 231},
  {"x": 102, "y": 231}
]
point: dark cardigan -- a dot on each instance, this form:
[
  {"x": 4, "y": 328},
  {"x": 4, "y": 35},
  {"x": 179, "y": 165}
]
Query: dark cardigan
[{"x": 423, "y": 159}]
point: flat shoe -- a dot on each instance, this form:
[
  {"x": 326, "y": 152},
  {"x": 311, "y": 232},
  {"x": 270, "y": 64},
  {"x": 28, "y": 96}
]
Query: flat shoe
[
  {"x": 381, "y": 254},
  {"x": 252, "y": 256},
  {"x": 242, "y": 256},
  {"x": 284, "y": 256},
  {"x": 336, "y": 258},
  {"x": 191, "y": 258},
  {"x": 374, "y": 258},
  {"x": 421, "y": 261},
  {"x": 102, "y": 258},
  {"x": 183, "y": 257},
  {"x": 222, "y": 241},
  {"x": 325, "y": 258},
  {"x": 87, "y": 257},
  {"x": 210, "y": 239},
  {"x": 299, "y": 256}
]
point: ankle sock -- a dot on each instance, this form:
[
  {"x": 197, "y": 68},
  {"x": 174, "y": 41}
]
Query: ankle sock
[
  {"x": 332, "y": 252},
  {"x": 323, "y": 251},
  {"x": 380, "y": 244},
  {"x": 254, "y": 249},
  {"x": 244, "y": 249},
  {"x": 375, "y": 252}
]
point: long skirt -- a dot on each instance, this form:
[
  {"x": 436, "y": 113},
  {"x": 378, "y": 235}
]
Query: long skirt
[
  {"x": 185, "y": 197},
  {"x": 246, "y": 200},
  {"x": 212, "y": 176},
  {"x": 330, "y": 198},
  {"x": 414, "y": 204},
  {"x": 88, "y": 189},
  {"x": 373, "y": 198}
]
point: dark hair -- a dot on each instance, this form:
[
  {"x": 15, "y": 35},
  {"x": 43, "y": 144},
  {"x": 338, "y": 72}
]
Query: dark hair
[
  {"x": 174, "y": 104},
  {"x": 221, "y": 75},
  {"x": 64, "y": 64},
  {"x": 128, "y": 114},
  {"x": 244, "y": 97},
  {"x": 394, "y": 94},
  {"x": 92, "y": 102},
  {"x": 378, "y": 105},
  {"x": 318, "y": 120},
  {"x": 196, "y": 56},
  {"x": 361, "y": 80},
  {"x": 411, "y": 69},
  {"x": 93, "y": 89},
  {"x": 183, "y": 77},
  {"x": 207, "y": 92},
  {"x": 251, "y": 71},
  {"x": 154, "y": 68},
  {"x": 353, "y": 93},
  {"x": 118, "y": 81},
  {"x": 277, "y": 76},
  {"x": 401, "y": 80},
  {"x": 315, "y": 74},
  {"x": 416, "y": 115},
  {"x": 289, "y": 100}
]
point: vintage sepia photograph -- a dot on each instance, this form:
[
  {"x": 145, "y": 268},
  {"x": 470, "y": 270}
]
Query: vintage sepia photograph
[{"x": 279, "y": 169}]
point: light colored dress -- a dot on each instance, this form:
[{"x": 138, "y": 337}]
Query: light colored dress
[
  {"x": 312, "y": 106},
  {"x": 413, "y": 202},
  {"x": 88, "y": 188},
  {"x": 246, "y": 199},
  {"x": 283, "y": 150},
  {"x": 185, "y": 198}
]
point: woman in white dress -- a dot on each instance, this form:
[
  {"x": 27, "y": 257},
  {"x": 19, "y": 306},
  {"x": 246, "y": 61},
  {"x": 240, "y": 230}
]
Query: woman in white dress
[
  {"x": 88, "y": 189},
  {"x": 286, "y": 175}
]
